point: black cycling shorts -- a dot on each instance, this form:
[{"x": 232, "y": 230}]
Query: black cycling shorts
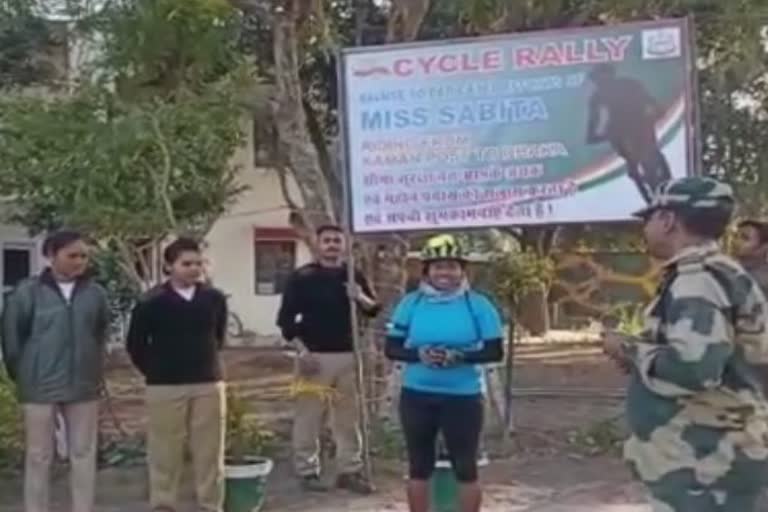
[{"x": 458, "y": 418}]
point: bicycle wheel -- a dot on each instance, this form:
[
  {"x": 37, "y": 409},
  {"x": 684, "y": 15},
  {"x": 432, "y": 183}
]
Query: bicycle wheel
[{"x": 234, "y": 325}]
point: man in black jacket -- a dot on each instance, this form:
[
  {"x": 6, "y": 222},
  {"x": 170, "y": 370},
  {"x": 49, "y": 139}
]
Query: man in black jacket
[
  {"x": 315, "y": 310},
  {"x": 175, "y": 334}
]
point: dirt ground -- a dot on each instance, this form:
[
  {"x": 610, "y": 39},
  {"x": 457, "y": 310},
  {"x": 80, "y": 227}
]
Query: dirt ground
[{"x": 561, "y": 458}]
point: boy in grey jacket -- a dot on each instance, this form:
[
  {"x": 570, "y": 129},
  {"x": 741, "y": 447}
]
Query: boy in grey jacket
[{"x": 54, "y": 328}]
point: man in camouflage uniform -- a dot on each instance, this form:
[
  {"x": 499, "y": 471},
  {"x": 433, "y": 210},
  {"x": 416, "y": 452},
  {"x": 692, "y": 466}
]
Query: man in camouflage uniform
[
  {"x": 751, "y": 249},
  {"x": 694, "y": 404}
]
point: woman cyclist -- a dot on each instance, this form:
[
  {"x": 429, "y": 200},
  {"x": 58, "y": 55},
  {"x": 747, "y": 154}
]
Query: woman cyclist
[{"x": 442, "y": 331}]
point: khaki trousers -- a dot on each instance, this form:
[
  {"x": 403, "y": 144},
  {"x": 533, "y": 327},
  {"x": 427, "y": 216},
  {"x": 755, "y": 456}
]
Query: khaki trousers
[
  {"x": 82, "y": 426},
  {"x": 186, "y": 419},
  {"x": 336, "y": 370}
]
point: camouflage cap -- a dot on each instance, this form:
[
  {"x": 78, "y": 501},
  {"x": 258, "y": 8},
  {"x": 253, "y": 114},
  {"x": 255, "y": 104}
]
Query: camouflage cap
[{"x": 692, "y": 193}]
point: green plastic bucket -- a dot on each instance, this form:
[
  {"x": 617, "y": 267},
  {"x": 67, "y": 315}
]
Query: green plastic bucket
[
  {"x": 246, "y": 485},
  {"x": 445, "y": 488}
]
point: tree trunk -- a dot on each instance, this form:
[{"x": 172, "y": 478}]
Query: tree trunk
[
  {"x": 405, "y": 20},
  {"x": 534, "y": 311},
  {"x": 301, "y": 155}
]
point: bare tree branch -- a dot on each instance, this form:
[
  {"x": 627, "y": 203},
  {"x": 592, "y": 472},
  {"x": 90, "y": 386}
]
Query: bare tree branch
[
  {"x": 405, "y": 19},
  {"x": 128, "y": 262},
  {"x": 291, "y": 119},
  {"x": 282, "y": 178},
  {"x": 163, "y": 178}
]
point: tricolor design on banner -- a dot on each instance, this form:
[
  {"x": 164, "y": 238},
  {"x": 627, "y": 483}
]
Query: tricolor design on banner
[{"x": 578, "y": 125}]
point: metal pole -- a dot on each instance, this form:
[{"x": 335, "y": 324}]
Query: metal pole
[
  {"x": 358, "y": 349},
  {"x": 360, "y": 362},
  {"x": 509, "y": 425}
]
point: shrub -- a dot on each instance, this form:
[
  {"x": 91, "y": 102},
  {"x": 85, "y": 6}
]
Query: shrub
[
  {"x": 11, "y": 432},
  {"x": 518, "y": 273}
]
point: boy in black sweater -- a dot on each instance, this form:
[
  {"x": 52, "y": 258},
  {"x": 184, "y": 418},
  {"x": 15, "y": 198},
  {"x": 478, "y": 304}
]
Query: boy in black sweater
[
  {"x": 175, "y": 334},
  {"x": 315, "y": 310}
]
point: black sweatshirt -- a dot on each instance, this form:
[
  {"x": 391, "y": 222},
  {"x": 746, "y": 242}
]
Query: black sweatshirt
[
  {"x": 315, "y": 308},
  {"x": 172, "y": 340}
]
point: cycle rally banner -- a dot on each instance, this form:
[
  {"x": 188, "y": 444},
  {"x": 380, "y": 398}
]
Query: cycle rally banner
[{"x": 574, "y": 125}]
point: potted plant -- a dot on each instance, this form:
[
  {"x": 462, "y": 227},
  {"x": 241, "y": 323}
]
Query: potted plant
[{"x": 247, "y": 465}]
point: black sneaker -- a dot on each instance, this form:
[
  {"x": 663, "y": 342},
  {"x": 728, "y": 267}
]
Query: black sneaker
[
  {"x": 312, "y": 483},
  {"x": 356, "y": 483}
]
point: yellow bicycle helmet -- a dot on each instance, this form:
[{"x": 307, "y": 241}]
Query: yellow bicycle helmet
[{"x": 443, "y": 247}]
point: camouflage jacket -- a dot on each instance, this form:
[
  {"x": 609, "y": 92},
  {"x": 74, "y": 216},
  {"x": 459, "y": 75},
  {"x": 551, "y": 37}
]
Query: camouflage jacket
[{"x": 694, "y": 366}]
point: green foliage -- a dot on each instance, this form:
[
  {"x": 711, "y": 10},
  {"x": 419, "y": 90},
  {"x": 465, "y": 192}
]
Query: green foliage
[
  {"x": 161, "y": 46},
  {"x": 119, "y": 169},
  {"x": 23, "y": 38},
  {"x": 387, "y": 441},
  {"x": 516, "y": 273},
  {"x": 11, "y": 434},
  {"x": 245, "y": 437},
  {"x": 143, "y": 151},
  {"x": 738, "y": 154}
]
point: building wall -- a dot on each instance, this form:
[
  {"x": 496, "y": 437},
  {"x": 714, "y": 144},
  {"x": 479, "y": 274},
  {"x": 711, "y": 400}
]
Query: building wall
[
  {"x": 231, "y": 245},
  {"x": 19, "y": 257},
  {"x": 17, "y": 245}
]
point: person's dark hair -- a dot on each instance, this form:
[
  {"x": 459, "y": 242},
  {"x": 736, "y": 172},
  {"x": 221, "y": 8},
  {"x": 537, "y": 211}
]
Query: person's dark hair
[
  {"x": 58, "y": 240},
  {"x": 179, "y": 246},
  {"x": 710, "y": 224},
  {"x": 759, "y": 226},
  {"x": 328, "y": 228}
]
